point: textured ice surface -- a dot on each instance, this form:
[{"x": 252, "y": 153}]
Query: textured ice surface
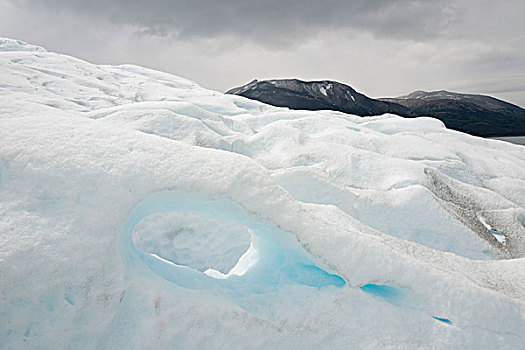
[
  {"x": 18, "y": 45},
  {"x": 193, "y": 240},
  {"x": 139, "y": 210}
]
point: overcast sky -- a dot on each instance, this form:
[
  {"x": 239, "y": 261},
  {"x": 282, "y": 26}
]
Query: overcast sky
[{"x": 379, "y": 47}]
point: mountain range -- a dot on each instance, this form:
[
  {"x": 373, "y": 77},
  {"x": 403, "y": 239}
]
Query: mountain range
[{"x": 477, "y": 115}]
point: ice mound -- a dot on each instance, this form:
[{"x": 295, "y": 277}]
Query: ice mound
[
  {"x": 18, "y": 45},
  {"x": 139, "y": 210}
]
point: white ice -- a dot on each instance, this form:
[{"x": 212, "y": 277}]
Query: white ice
[{"x": 139, "y": 210}]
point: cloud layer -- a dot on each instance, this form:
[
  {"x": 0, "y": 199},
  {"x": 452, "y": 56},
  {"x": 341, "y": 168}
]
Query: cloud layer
[
  {"x": 270, "y": 20},
  {"x": 381, "y": 47}
]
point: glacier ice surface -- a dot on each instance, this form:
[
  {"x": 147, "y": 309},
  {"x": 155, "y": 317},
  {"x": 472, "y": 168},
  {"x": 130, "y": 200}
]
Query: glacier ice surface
[{"x": 139, "y": 210}]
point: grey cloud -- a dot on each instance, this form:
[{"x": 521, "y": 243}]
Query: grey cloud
[
  {"x": 271, "y": 21},
  {"x": 380, "y": 47}
]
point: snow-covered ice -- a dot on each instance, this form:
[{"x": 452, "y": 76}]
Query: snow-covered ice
[{"x": 139, "y": 210}]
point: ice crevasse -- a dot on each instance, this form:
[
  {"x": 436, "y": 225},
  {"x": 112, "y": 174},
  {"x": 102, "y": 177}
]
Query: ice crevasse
[{"x": 139, "y": 209}]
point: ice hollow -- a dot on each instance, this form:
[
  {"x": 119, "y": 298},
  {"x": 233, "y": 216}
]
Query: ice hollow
[{"x": 215, "y": 244}]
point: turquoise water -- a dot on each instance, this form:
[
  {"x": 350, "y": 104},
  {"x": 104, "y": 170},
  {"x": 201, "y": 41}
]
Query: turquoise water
[
  {"x": 400, "y": 297},
  {"x": 496, "y": 232},
  {"x": 393, "y": 295},
  {"x": 444, "y": 320}
]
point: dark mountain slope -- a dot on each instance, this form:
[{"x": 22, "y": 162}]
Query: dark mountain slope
[
  {"x": 487, "y": 102},
  {"x": 474, "y": 114},
  {"x": 316, "y": 95}
]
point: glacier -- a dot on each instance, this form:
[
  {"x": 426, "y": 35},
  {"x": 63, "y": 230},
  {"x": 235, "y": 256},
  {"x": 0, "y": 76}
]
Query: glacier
[{"x": 140, "y": 210}]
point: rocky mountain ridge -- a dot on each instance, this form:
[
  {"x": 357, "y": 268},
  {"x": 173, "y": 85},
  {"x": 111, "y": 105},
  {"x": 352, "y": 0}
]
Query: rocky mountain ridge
[{"x": 478, "y": 115}]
